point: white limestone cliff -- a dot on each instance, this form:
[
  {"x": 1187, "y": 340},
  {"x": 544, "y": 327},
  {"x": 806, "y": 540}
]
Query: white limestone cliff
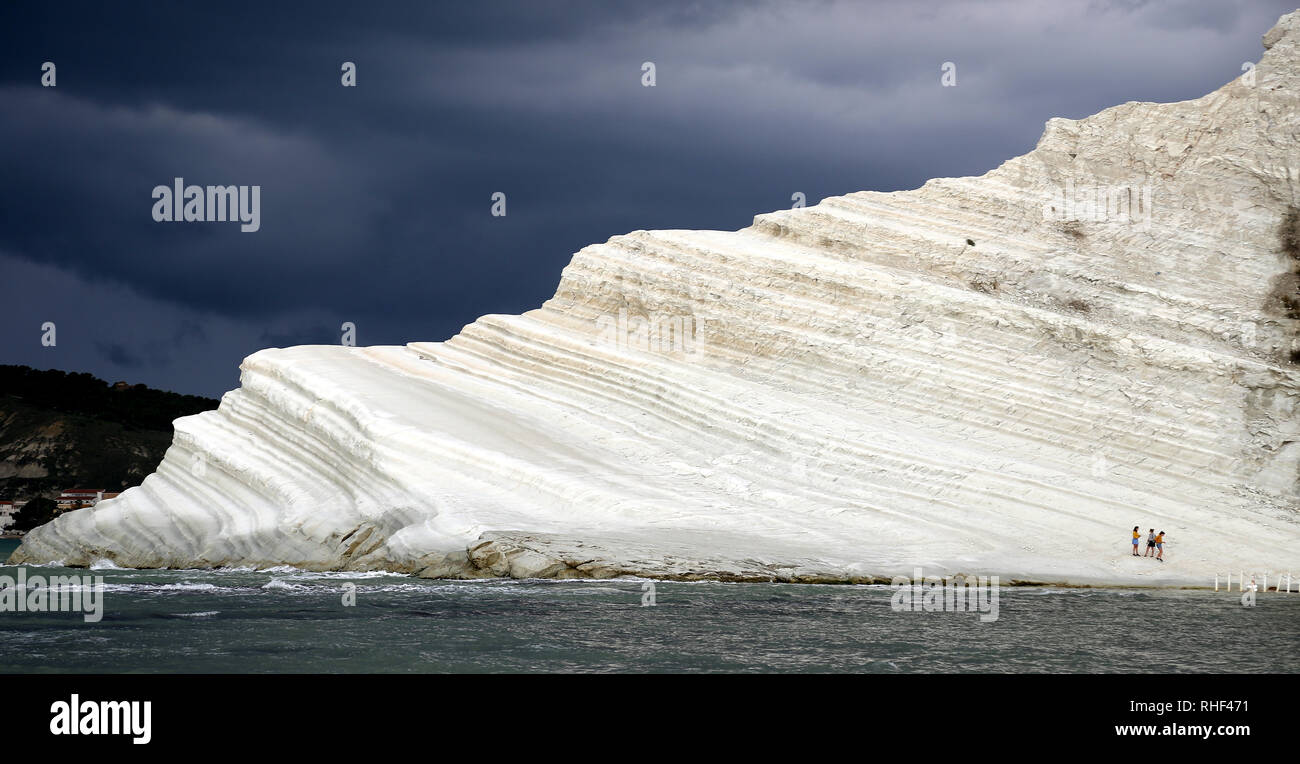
[{"x": 976, "y": 376}]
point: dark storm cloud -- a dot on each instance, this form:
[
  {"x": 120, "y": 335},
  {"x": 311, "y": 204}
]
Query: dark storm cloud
[
  {"x": 375, "y": 199},
  {"x": 305, "y": 335},
  {"x": 118, "y": 355}
]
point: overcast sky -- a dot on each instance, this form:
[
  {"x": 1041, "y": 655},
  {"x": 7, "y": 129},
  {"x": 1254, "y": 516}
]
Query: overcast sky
[{"x": 376, "y": 200}]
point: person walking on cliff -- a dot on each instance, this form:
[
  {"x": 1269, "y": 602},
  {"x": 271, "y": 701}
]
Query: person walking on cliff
[
  {"x": 1151, "y": 543},
  {"x": 1137, "y": 535},
  {"x": 1160, "y": 546}
]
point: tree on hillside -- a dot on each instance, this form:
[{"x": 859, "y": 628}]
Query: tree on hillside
[{"x": 35, "y": 513}]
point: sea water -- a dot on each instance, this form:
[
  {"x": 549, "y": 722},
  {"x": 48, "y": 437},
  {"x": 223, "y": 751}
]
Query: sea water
[{"x": 287, "y": 620}]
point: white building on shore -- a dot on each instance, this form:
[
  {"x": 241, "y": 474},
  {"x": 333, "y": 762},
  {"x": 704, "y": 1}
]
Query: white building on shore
[
  {"x": 76, "y": 498},
  {"x": 7, "y": 511}
]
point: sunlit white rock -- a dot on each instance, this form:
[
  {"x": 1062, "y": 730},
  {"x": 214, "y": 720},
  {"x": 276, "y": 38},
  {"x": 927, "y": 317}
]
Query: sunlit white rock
[{"x": 962, "y": 377}]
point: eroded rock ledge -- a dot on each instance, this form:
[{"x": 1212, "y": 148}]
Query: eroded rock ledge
[{"x": 982, "y": 375}]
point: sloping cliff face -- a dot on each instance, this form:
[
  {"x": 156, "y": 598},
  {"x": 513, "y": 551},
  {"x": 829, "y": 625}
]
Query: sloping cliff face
[{"x": 984, "y": 375}]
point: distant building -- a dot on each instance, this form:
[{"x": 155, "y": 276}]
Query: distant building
[
  {"x": 7, "y": 511},
  {"x": 76, "y": 498}
]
